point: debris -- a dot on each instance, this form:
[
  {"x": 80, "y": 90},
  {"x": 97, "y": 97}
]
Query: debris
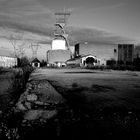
[
  {"x": 28, "y": 105},
  {"x": 40, "y": 114},
  {"x": 21, "y": 107},
  {"x": 31, "y": 97},
  {"x": 39, "y": 103}
]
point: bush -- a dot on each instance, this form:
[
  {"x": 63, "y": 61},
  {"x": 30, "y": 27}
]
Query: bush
[
  {"x": 102, "y": 67},
  {"x": 25, "y": 67},
  {"x": 136, "y": 63},
  {"x": 73, "y": 66},
  {"x": 1, "y": 69},
  {"x": 27, "y": 71},
  {"x": 122, "y": 67},
  {"x": 19, "y": 79},
  {"x": 43, "y": 63},
  {"x": 22, "y": 62}
]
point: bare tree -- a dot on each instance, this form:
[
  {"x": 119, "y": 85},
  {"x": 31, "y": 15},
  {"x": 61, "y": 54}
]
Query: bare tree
[
  {"x": 21, "y": 49},
  {"x": 18, "y": 43}
]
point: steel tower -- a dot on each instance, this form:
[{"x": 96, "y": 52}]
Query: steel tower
[{"x": 60, "y": 26}]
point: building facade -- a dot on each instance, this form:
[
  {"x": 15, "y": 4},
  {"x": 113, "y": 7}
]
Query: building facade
[
  {"x": 137, "y": 51},
  {"x": 86, "y": 60},
  {"x": 58, "y": 57},
  {"x": 102, "y": 51},
  {"x": 125, "y": 53},
  {"x": 7, "y": 59}
]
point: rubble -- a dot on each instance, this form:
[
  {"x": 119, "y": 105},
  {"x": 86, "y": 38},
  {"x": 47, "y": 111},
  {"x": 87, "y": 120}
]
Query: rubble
[
  {"x": 39, "y": 101},
  {"x": 20, "y": 107},
  {"x": 40, "y": 114},
  {"x": 31, "y": 97},
  {"x": 38, "y": 106}
]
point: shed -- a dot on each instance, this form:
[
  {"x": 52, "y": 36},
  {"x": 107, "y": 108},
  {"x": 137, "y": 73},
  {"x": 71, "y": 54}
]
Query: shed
[{"x": 35, "y": 63}]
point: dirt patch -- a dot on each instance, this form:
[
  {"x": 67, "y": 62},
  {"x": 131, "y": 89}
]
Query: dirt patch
[
  {"x": 101, "y": 88},
  {"x": 136, "y": 86},
  {"x": 108, "y": 121}
]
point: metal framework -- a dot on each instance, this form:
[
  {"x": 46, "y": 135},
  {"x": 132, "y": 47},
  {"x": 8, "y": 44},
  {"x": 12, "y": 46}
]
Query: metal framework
[
  {"x": 34, "y": 48},
  {"x": 60, "y": 25}
]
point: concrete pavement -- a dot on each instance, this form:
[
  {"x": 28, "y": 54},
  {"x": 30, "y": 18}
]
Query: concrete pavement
[{"x": 40, "y": 101}]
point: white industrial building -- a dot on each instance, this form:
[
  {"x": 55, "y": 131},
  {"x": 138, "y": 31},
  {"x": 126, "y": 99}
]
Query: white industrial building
[
  {"x": 86, "y": 60},
  {"x": 58, "y": 44},
  {"x": 7, "y": 59},
  {"x": 58, "y": 57}
]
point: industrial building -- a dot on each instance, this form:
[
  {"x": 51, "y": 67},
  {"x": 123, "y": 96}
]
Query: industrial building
[
  {"x": 85, "y": 61},
  {"x": 103, "y": 51},
  {"x": 98, "y": 54},
  {"x": 85, "y": 52},
  {"x": 7, "y": 59},
  {"x": 60, "y": 51},
  {"x": 125, "y": 53},
  {"x": 58, "y": 57},
  {"x": 137, "y": 51}
]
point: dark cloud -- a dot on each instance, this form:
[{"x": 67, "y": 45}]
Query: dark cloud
[
  {"x": 34, "y": 17},
  {"x": 95, "y": 36},
  {"x": 75, "y": 34}
]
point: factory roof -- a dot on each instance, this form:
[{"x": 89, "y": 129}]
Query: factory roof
[{"x": 35, "y": 60}]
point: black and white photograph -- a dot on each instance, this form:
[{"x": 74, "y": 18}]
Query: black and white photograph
[{"x": 69, "y": 69}]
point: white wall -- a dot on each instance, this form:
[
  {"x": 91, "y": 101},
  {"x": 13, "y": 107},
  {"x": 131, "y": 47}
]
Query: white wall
[
  {"x": 58, "y": 44},
  {"x": 101, "y": 51},
  {"x": 7, "y": 61}
]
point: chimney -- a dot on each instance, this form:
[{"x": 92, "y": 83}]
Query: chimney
[{"x": 76, "y": 51}]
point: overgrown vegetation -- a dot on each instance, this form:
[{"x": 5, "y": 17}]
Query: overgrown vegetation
[
  {"x": 120, "y": 65},
  {"x": 17, "y": 86},
  {"x": 3, "y": 70}
]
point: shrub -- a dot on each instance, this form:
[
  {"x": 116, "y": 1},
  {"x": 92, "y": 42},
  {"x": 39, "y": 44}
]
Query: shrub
[
  {"x": 74, "y": 85},
  {"x": 23, "y": 62},
  {"x": 1, "y": 69},
  {"x": 102, "y": 67},
  {"x": 43, "y": 63},
  {"x": 27, "y": 71}
]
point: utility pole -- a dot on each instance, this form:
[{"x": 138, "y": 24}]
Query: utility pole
[{"x": 34, "y": 48}]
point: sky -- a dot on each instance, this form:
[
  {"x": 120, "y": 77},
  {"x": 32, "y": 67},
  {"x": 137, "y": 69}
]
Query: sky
[{"x": 92, "y": 21}]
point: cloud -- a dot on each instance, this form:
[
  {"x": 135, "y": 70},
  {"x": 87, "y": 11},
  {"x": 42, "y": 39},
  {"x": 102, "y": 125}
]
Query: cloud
[
  {"x": 31, "y": 16},
  {"x": 28, "y": 16},
  {"x": 28, "y": 12},
  {"x": 95, "y": 36}
]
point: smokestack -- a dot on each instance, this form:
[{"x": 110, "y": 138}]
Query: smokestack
[{"x": 76, "y": 51}]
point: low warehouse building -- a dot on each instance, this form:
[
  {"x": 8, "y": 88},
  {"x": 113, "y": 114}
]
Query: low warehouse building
[
  {"x": 58, "y": 57},
  {"x": 86, "y": 60},
  {"x": 35, "y": 63},
  {"x": 7, "y": 59}
]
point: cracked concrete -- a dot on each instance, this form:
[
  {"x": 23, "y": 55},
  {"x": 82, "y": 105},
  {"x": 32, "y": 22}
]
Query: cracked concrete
[{"x": 40, "y": 101}]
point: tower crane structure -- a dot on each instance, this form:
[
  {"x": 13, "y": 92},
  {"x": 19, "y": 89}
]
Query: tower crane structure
[{"x": 60, "y": 26}]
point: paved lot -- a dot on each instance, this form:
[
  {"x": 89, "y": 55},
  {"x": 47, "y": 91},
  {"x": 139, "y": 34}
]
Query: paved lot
[{"x": 96, "y": 88}]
